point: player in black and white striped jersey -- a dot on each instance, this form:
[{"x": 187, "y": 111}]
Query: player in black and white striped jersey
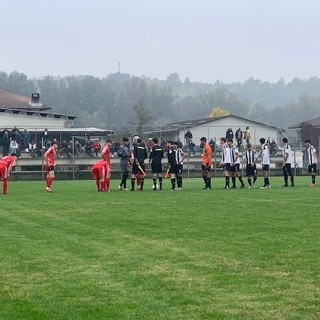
[
  {"x": 235, "y": 165},
  {"x": 179, "y": 157},
  {"x": 287, "y": 160},
  {"x": 226, "y": 161},
  {"x": 311, "y": 153},
  {"x": 265, "y": 163},
  {"x": 249, "y": 160}
]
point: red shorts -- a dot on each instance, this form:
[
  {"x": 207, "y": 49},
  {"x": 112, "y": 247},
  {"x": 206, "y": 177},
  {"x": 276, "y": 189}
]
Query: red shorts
[
  {"x": 3, "y": 172},
  {"x": 98, "y": 172},
  {"x": 108, "y": 168},
  {"x": 49, "y": 168}
]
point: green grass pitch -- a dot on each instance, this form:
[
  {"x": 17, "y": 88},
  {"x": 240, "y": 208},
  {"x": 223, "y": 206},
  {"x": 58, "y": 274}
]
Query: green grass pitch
[{"x": 194, "y": 254}]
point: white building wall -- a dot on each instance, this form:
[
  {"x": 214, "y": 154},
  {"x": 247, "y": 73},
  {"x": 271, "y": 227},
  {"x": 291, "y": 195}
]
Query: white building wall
[
  {"x": 9, "y": 120},
  {"x": 218, "y": 128}
]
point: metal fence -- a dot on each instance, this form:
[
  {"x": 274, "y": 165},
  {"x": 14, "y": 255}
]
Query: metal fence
[{"x": 78, "y": 144}]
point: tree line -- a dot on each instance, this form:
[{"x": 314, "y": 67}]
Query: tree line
[{"x": 121, "y": 99}]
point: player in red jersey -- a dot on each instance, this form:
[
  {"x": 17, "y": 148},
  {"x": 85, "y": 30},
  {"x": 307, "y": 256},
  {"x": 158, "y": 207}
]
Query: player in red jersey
[
  {"x": 106, "y": 157},
  {"x": 50, "y": 159},
  {"x": 6, "y": 164},
  {"x": 99, "y": 174}
]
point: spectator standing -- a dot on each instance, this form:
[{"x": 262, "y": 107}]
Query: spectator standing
[
  {"x": 25, "y": 135},
  {"x": 15, "y": 134},
  {"x": 273, "y": 147},
  {"x": 239, "y": 137},
  {"x": 188, "y": 136},
  {"x": 5, "y": 141},
  {"x": 229, "y": 134},
  {"x": 179, "y": 144},
  {"x": 45, "y": 139},
  {"x": 247, "y": 135}
]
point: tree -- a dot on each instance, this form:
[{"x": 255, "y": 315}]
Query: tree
[
  {"x": 218, "y": 112},
  {"x": 142, "y": 116}
]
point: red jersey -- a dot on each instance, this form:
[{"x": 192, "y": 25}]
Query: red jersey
[
  {"x": 7, "y": 161},
  {"x": 51, "y": 156},
  {"x": 106, "y": 153},
  {"x": 99, "y": 163}
]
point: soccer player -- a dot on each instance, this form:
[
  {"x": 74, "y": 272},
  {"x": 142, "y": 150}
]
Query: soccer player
[
  {"x": 99, "y": 174},
  {"x": 249, "y": 160},
  {"x": 106, "y": 157},
  {"x": 206, "y": 163},
  {"x": 171, "y": 164},
  {"x": 312, "y": 161},
  {"x": 6, "y": 164},
  {"x": 287, "y": 160},
  {"x": 265, "y": 162},
  {"x": 139, "y": 154},
  {"x": 226, "y": 161},
  {"x": 179, "y": 157},
  {"x": 235, "y": 165},
  {"x": 50, "y": 162},
  {"x": 155, "y": 159},
  {"x": 124, "y": 155}
]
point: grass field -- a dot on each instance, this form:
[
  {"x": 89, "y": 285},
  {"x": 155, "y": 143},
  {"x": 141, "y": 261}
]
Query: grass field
[{"x": 194, "y": 254}]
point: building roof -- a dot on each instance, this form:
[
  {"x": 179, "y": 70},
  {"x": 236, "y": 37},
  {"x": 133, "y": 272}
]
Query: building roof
[
  {"x": 37, "y": 113},
  {"x": 187, "y": 124},
  {"x": 13, "y": 100},
  {"x": 313, "y": 122}
]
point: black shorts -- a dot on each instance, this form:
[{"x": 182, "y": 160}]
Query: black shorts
[
  {"x": 136, "y": 170},
  {"x": 176, "y": 169},
  {"x": 265, "y": 167},
  {"x": 156, "y": 167},
  {"x": 312, "y": 168},
  {"x": 251, "y": 171},
  {"x": 235, "y": 168},
  {"x": 205, "y": 168},
  {"x": 227, "y": 167}
]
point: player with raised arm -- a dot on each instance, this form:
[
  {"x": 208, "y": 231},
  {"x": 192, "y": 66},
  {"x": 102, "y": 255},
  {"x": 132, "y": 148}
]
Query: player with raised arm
[
  {"x": 206, "y": 163},
  {"x": 312, "y": 157},
  {"x": 6, "y": 165},
  {"x": 50, "y": 162},
  {"x": 106, "y": 157}
]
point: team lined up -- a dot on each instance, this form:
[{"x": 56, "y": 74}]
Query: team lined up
[{"x": 133, "y": 160}]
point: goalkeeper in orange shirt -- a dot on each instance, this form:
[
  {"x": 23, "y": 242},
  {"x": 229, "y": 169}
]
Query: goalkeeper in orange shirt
[{"x": 206, "y": 163}]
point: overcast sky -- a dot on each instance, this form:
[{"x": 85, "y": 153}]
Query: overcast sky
[{"x": 205, "y": 40}]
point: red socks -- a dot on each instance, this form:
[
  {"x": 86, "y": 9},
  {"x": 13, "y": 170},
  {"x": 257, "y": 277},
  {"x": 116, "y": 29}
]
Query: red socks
[
  {"x": 49, "y": 182},
  {"x": 107, "y": 182},
  {"x": 5, "y": 185}
]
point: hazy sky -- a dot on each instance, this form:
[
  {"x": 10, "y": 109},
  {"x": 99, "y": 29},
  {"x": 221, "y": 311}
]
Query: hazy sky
[{"x": 205, "y": 40}]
